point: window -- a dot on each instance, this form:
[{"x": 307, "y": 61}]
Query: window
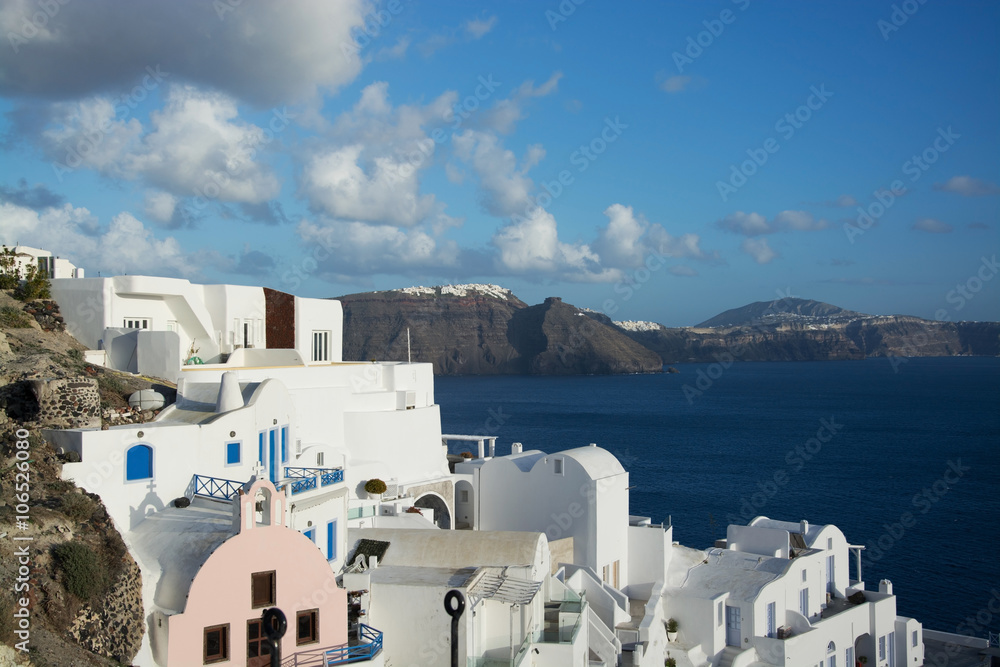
[
  {"x": 232, "y": 453},
  {"x": 257, "y": 644},
  {"x": 463, "y": 496},
  {"x": 559, "y": 466},
  {"x": 216, "y": 643},
  {"x": 804, "y": 602},
  {"x": 139, "y": 463},
  {"x": 849, "y": 657},
  {"x": 307, "y": 627},
  {"x": 331, "y": 540},
  {"x": 881, "y": 648},
  {"x": 136, "y": 322},
  {"x": 262, "y": 589},
  {"x": 260, "y": 448},
  {"x": 892, "y": 648},
  {"x": 831, "y": 570},
  {"x": 321, "y": 346},
  {"x": 284, "y": 444},
  {"x": 829, "y": 543},
  {"x": 771, "y": 619},
  {"x": 831, "y": 648},
  {"x": 720, "y": 614},
  {"x": 320, "y": 459},
  {"x": 804, "y": 577},
  {"x": 915, "y": 639}
]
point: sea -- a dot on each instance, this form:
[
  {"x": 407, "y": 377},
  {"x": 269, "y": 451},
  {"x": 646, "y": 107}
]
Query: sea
[{"x": 902, "y": 455}]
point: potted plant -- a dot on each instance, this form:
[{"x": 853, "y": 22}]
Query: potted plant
[
  {"x": 671, "y": 629},
  {"x": 375, "y": 487},
  {"x": 670, "y": 662}
]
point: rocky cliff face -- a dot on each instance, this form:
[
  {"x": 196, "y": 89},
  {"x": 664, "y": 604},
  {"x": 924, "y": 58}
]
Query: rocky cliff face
[
  {"x": 486, "y": 330},
  {"x": 865, "y": 336}
]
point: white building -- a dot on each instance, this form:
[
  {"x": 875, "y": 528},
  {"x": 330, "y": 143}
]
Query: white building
[
  {"x": 555, "y": 570},
  {"x": 156, "y": 326},
  {"x": 50, "y": 265},
  {"x": 779, "y": 593}
]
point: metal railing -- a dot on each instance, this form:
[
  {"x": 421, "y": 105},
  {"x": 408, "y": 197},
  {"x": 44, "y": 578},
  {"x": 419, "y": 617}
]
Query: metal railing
[
  {"x": 306, "y": 479},
  {"x": 372, "y": 644},
  {"x": 216, "y": 487}
]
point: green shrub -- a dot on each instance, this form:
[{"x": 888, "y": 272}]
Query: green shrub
[
  {"x": 36, "y": 286},
  {"x": 77, "y": 506},
  {"x": 375, "y": 486},
  {"x": 14, "y": 318},
  {"x": 75, "y": 354},
  {"x": 85, "y": 576}
]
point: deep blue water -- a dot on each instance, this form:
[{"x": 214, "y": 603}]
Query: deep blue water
[{"x": 700, "y": 460}]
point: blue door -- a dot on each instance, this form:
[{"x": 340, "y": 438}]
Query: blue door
[
  {"x": 733, "y": 626},
  {"x": 272, "y": 459}
]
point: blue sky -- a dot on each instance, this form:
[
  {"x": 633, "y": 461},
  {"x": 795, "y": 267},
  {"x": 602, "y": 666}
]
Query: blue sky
[{"x": 656, "y": 161}]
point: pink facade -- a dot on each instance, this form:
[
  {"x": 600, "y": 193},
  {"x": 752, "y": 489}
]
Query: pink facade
[{"x": 265, "y": 559}]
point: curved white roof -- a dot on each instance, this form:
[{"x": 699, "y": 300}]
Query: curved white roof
[{"x": 598, "y": 462}]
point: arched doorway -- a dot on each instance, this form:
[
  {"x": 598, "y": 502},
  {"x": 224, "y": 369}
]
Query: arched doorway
[
  {"x": 465, "y": 507},
  {"x": 432, "y": 501}
]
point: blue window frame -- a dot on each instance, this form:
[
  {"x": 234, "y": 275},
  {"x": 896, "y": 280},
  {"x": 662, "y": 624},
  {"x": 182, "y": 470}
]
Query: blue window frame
[
  {"x": 260, "y": 448},
  {"x": 331, "y": 540},
  {"x": 284, "y": 444},
  {"x": 233, "y": 453},
  {"x": 139, "y": 463},
  {"x": 311, "y": 534}
]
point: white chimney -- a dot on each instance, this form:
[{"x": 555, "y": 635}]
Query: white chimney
[
  {"x": 230, "y": 396},
  {"x": 516, "y": 448},
  {"x": 803, "y": 527},
  {"x": 885, "y": 586}
]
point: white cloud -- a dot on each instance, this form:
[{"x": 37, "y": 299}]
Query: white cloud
[
  {"x": 797, "y": 221},
  {"x": 749, "y": 224},
  {"x": 356, "y": 248},
  {"x": 122, "y": 246},
  {"x": 967, "y": 186},
  {"x": 628, "y": 240},
  {"x": 196, "y": 146},
  {"x": 369, "y": 170},
  {"x": 932, "y": 226},
  {"x": 387, "y": 191},
  {"x": 260, "y": 51},
  {"x": 160, "y": 206},
  {"x": 675, "y": 84},
  {"x": 530, "y": 245},
  {"x": 504, "y": 115},
  {"x": 754, "y": 224},
  {"x": 505, "y": 188},
  {"x": 477, "y": 28},
  {"x": 759, "y": 250}
]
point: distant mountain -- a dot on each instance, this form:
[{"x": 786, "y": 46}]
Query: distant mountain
[
  {"x": 486, "y": 330},
  {"x": 768, "y": 312}
]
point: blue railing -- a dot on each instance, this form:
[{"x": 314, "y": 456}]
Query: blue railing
[
  {"x": 372, "y": 639},
  {"x": 215, "y": 487},
  {"x": 332, "y": 477},
  {"x": 303, "y": 484},
  {"x": 305, "y": 479}
]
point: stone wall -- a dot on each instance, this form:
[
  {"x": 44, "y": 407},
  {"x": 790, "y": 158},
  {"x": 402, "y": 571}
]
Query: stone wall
[
  {"x": 46, "y": 313},
  {"x": 114, "y": 628},
  {"x": 68, "y": 402}
]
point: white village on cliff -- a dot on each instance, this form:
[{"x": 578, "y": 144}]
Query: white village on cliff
[{"x": 285, "y": 477}]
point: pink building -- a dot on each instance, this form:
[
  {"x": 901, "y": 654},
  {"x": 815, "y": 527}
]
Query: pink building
[{"x": 262, "y": 563}]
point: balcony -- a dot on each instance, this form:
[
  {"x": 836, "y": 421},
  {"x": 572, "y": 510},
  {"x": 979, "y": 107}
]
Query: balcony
[
  {"x": 215, "y": 487},
  {"x": 300, "y": 480},
  {"x": 364, "y": 646}
]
